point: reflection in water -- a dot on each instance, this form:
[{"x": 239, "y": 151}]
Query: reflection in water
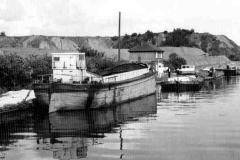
[
  {"x": 182, "y": 126},
  {"x": 182, "y": 103},
  {"x": 215, "y": 84},
  {"x": 78, "y": 126},
  {"x": 201, "y": 125},
  {"x": 69, "y": 134}
]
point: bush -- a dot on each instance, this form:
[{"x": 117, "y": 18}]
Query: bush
[
  {"x": 17, "y": 72},
  {"x": 90, "y": 52},
  {"x": 165, "y": 32},
  {"x": 39, "y": 65},
  {"x": 134, "y": 35},
  {"x": 234, "y": 57},
  {"x": 2, "y": 34},
  {"x": 12, "y": 70},
  {"x": 115, "y": 38},
  {"x": 175, "y": 61}
]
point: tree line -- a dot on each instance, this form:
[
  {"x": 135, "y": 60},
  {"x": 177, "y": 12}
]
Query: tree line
[
  {"x": 18, "y": 72},
  {"x": 178, "y": 37},
  {"x": 129, "y": 41}
]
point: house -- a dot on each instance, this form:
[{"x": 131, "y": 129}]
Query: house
[{"x": 148, "y": 53}]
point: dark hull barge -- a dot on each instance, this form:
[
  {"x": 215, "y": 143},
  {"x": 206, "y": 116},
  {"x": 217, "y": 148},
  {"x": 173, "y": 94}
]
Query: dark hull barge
[{"x": 120, "y": 84}]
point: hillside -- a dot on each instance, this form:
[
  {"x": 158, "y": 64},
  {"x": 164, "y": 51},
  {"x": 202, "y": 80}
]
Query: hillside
[
  {"x": 214, "y": 45},
  {"x": 183, "y": 42}
]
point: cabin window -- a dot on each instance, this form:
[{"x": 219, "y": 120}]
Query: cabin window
[
  {"x": 56, "y": 58},
  {"x": 183, "y": 66},
  {"x": 187, "y": 66},
  {"x": 81, "y": 57}
]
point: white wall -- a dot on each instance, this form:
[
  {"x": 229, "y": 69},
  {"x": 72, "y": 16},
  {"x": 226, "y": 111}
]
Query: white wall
[
  {"x": 71, "y": 61},
  {"x": 70, "y": 67}
]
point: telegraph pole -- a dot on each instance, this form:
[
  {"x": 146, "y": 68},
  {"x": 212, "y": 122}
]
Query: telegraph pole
[{"x": 119, "y": 37}]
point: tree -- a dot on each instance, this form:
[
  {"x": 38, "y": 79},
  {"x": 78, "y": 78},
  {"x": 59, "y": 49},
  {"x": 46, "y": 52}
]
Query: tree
[
  {"x": 234, "y": 57},
  {"x": 175, "y": 61},
  {"x": 38, "y": 65},
  {"x": 114, "y": 38},
  {"x": 178, "y": 37},
  {"x": 165, "y": 32},
  {"x": 134, "y": 35},
  {"x": 12, "y": 70},
  {"x": 2, "y": 34}
]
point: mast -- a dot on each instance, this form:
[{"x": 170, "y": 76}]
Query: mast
[{"x": 119, "y": 40}]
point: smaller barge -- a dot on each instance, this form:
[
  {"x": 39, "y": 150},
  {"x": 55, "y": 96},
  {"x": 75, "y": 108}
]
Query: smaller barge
[{"x": 186, "y": 80}]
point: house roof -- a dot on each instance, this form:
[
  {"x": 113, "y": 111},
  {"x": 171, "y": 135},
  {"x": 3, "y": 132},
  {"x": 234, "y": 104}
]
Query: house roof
[{"x": 145, "y": 47}]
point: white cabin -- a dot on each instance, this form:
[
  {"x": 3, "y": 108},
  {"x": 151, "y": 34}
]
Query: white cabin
[
  {"x": 187, "y": 68},
  {"x": 70, "y": 67}
]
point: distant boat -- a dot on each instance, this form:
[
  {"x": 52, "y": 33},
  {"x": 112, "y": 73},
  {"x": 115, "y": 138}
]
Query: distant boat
[
  {"x": 186, "y": 80},
  {"x": 210, "y": 73},
  {"x": 230, "y": 70},
  {"x": 187, "y": 70},
  {"x": 73, "y": 87}
]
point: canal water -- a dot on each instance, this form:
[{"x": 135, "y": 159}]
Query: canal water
[{"x": 202, "y": 125}]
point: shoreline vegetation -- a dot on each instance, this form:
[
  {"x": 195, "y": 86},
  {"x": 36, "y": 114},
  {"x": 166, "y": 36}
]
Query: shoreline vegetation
[{"x": 19, "y": 72}]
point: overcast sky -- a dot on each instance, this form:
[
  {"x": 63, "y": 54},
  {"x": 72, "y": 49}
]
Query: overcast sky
[{"x": 100, "y": 17}]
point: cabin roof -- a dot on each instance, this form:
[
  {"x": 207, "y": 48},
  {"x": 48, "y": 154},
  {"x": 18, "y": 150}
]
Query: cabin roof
[{"x": 145, "y": 47}]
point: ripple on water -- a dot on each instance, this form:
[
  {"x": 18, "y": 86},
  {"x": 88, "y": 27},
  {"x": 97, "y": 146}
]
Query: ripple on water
[{"x": 201, "y": 125}]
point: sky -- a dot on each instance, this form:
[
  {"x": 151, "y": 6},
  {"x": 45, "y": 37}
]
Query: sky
[{"x": 100, "y": 17}]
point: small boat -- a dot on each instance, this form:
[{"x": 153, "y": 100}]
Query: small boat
[
  {"x": 185, "y": 80},
  {"x": 210, "y": 73},
  {"x": 187, "y": 70},
  {"x": 182, "y": 83},
  {"x": 73, "y": 87},
  {"x": 230, "y": 70}
]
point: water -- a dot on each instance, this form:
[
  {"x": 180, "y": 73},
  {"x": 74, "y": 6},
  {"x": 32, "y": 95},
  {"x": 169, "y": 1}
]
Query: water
[{"x": 201, "y": 125}]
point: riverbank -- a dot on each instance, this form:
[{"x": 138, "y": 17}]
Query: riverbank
[{"x": 16, "y": 100}]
